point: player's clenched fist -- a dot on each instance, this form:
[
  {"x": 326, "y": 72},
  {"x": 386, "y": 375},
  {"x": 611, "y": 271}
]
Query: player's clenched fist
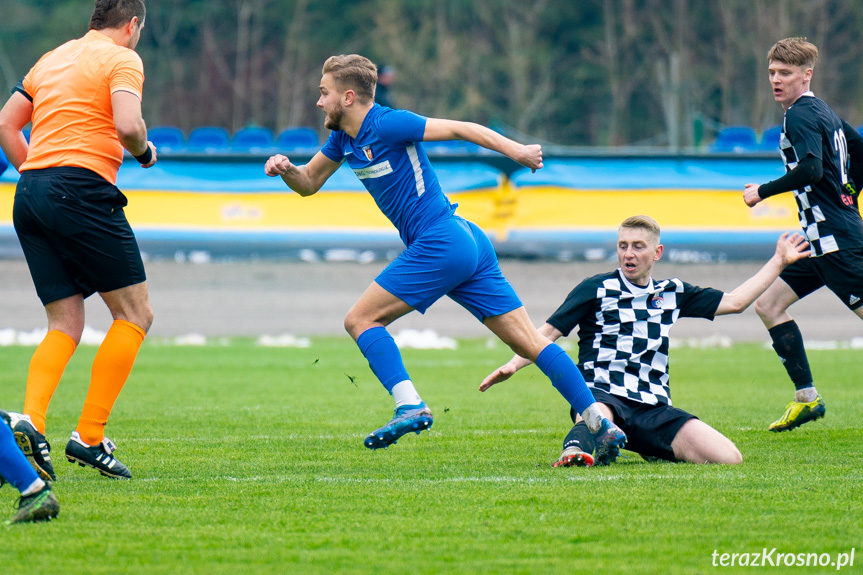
[
  {"x": 531, "y": 156},
  {"x": 277, "y": 165}
]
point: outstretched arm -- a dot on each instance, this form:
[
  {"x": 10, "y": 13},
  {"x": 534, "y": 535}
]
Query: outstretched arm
[
  {"x": 788, "y": 250},
  {"x": 517, "y": 362},
  {"x": 305, "y": 180},
  {"x": 527, "y": 155}
]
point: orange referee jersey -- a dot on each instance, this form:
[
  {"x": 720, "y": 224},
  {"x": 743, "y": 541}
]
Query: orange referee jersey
[{"x": 73, "y": 120}]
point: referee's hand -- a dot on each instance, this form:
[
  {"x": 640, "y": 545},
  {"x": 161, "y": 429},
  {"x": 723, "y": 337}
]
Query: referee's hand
[{"x": 153, "y": 159}]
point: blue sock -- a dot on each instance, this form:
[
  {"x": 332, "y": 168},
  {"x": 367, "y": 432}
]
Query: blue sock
[
  {"x": 383, "y": 355},
  {"x": 565, "y": 377},
  {"x": 13, "y": 465}
]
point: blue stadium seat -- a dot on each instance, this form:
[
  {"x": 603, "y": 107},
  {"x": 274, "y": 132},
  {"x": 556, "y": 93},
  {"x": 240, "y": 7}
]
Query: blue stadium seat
[
  {"x": 167, "y": 138},
  {"x": 298, "y": 139},
  {"x": 209, "y": 139},
  {"x": 253, "y": 139},
  {"x": 735, "y": 139},
  {"x": 450, "y": 147},
  {"x": 770, "y": 139}
]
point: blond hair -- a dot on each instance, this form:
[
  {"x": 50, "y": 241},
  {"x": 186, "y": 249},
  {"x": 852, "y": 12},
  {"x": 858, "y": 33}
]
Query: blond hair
[
  {"x": 642, "y": 223},
  {"x": 795, "y": 52},
  {"x": 353, "y": 72}
]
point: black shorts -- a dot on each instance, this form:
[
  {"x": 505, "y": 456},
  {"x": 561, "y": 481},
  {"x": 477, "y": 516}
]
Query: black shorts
[
  {"x": 649, "y": 429},
  {"x": 74, "y": 233},
  {"x": 841, "y": 272}
]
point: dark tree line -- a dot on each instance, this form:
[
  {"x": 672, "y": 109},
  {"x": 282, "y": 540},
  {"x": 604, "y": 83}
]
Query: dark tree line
[{"x": 576, "y": 73}]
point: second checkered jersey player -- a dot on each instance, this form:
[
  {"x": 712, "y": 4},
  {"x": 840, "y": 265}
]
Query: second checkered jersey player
[
  {"x": 823, "y": 158},
  {"x": 623, "y": 319}
]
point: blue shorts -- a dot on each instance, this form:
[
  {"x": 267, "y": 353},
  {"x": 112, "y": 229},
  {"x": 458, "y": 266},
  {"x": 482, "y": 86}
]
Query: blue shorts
[{"x": 454, "y": 258}]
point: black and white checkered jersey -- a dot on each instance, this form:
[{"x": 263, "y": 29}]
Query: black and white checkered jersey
[
  {"x": 623, "y": 331},
  {"x": 829, "y": 216}
]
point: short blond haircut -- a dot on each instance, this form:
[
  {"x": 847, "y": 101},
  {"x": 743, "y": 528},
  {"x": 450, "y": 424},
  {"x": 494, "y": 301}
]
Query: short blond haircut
[
  {"x": 353, "y": 72},
  {"x": 795, "y": 52},
  {"x": 642, "y": 223}
]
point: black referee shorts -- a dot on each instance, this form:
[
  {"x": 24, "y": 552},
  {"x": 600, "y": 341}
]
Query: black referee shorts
[
  {"x": 649, "y": 429},
  {"x": 74, "y": 233},
  {"x": 841, "y": 272}
]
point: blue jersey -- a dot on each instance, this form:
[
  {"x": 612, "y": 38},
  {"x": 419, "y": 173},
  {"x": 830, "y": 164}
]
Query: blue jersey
[{"x": 389, "y": 159}]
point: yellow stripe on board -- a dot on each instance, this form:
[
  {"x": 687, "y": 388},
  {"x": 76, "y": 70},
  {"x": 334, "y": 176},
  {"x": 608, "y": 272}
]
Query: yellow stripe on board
[
  {"x": 494, "y": 209},
  {"x": 562, "y": 208},
  {"x": 7, "y": 197},
  {"x": 250, "y": 211},
  {"x": 253, "y": 211}
]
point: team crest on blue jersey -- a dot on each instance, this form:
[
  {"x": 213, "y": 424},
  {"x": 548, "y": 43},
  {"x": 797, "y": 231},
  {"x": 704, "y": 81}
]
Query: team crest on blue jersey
[
  {"x": 367, "y": 150},
  {"x": 656, "y": 301}
]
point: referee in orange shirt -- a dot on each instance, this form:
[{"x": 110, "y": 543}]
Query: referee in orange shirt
[{"x": 84, "y": 100}]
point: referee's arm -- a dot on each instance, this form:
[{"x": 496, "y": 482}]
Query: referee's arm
[
  {"x": 131, "y": 128},
  {"x": 13, "y": 117}
]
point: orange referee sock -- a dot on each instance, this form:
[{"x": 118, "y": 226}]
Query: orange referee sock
[
  {"x": 46, "y": 368},
  {"x": 111, "y": 368}
]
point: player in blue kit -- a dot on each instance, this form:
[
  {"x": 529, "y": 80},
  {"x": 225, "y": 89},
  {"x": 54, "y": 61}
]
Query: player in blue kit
[
  {"x": 823, "y": 158},
  {"x": 445, "y": 255}
]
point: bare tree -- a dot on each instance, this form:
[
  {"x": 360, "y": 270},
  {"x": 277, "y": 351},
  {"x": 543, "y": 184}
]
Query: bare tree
[
  {"x": 241, "y": 64},
  {"x": 291, "y": 81}
]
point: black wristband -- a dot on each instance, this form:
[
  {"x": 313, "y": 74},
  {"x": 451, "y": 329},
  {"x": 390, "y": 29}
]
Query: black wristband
[{"x": 146, "y": 157}]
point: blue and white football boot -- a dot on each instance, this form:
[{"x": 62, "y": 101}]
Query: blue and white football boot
[{"x": 406, "y": 418}]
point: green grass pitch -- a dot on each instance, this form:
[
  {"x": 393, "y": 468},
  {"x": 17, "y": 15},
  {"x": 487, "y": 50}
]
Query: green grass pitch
[{"x": 250, "y": 460}]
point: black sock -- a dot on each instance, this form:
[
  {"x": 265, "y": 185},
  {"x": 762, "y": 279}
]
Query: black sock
[
  {"x": 581, "y": 437},
  {"x": 788, "y": 343}
]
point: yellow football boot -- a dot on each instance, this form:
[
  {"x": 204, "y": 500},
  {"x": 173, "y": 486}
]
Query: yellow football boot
[{"x": 796, "y": 414}]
